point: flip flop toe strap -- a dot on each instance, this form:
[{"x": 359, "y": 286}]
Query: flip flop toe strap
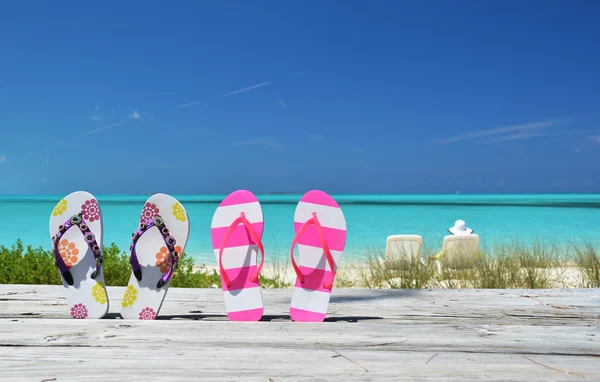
[
  {"x": 169, "y": 240},
  {"x": 314, "y": 221},
  {"x": 255, "y": 238},
  {"x": 90, "y": 239}
]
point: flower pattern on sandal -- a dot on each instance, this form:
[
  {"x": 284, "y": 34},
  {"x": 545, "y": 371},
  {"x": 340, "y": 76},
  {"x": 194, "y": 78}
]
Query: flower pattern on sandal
[
  {"x": 90, "y": 210},
  {"x": 60, "y": 208},
  {"x": 150, "y": 211},
  {"x": 147, "y": 314},
  {"x": 79, "y": 311},
  {"x": 179, "y": 212},
  {"x": 163, "y": 260},
  {"x": 68, "y": 252},
  {"x": 129, "y": 297},
  {"x": 99, "y": 293}
]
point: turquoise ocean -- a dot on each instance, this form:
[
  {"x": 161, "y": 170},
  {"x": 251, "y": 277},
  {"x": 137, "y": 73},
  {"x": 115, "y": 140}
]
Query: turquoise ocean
[{"x": 370, "y": 219}]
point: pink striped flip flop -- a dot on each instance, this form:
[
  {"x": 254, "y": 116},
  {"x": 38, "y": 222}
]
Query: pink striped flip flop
[
  {"x": 321, "y": 235},
  {"x": 236, "y": 231}
]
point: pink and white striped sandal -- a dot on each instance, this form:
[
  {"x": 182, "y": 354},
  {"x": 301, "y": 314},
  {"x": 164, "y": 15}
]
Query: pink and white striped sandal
[
  {"x": 321, "y": 236},
  {"x": 236, "y": 231}
]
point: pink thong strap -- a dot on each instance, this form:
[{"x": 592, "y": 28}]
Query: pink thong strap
[
  {"x": 314, "y": 221},
  {"x": 253, "y": 235}
]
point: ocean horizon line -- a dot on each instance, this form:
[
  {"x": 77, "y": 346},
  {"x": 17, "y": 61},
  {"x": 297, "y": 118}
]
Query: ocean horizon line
[
  {"x": 591, "y": 201},
  {"x": 25, "y": 195}
]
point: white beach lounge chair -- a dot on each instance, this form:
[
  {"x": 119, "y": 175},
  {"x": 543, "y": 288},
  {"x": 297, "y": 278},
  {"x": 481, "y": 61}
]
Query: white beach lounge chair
[
  {"x": 459, "y": 252},
  {"x": 402, "y": 249}
]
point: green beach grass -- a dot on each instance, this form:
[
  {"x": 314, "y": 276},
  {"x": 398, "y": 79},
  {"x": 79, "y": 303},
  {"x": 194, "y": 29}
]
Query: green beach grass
[
  {"x": 513, "y": 265},
  {"x": 28, "y": 265}
]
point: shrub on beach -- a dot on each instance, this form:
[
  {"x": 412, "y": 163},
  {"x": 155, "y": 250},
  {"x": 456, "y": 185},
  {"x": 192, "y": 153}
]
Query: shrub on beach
[
  {"x": 510, "y": 265},
  {"x": 588, "y": 260},
  {"x": 513, "y": 265},
  {"x": 20, "y": 265},
  {"x": 27, "y": 266},
  {"x": 409, "y": 274}
]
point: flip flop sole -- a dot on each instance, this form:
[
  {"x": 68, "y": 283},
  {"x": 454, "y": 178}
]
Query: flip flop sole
[
  {"x": 143, "y": 299},
  {"x": 243, "y": 298},
  {"x": 310, "y": 299},
  {"x": 87, "y": 297}
]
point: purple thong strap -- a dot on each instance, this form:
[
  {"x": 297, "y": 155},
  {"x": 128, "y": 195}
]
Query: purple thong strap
[
  {"x": 90, "y": 239},
  {"x": 159, "y": 223}
]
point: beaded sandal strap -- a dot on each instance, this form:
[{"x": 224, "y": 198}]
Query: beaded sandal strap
[
  {"x": 90, "y": 239},
  {"x": 159, "y": 223}
]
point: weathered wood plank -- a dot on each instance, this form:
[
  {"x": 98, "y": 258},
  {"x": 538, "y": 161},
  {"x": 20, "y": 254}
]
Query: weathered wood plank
[
  {"x": 372, "y": 335},
  {"x": 154, "y": 363},
  {"x": 543, "y": 307},
  {"x": 475, "y": 338}
]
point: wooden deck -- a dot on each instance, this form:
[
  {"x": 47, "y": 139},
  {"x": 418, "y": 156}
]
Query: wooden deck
[{"x": 541, "y": 335}]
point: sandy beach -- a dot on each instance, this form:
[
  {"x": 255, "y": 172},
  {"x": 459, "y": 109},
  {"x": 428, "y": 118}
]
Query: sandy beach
[{"x": 353, "y": 276}]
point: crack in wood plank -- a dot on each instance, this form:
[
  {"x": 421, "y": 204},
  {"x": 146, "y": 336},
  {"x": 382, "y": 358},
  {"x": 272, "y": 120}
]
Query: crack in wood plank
[
  {"x": 552, "y": 368},
  {"x": 59, "y": 346},
  {"x": 354, "y": 362},
  {"x": 533, "y": 298},
  {"x": 432, "y": 357},
  {"x": 385, "y": 344}
]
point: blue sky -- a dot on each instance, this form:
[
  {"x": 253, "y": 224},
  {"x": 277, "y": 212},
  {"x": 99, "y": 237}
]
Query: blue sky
[{"x": 365, "y": 97}]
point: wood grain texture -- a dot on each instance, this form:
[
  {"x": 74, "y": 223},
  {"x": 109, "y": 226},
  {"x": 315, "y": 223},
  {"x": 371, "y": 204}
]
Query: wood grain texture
[{"x": 497, "y": 335}]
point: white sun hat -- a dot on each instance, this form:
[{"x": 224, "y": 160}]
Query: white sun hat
[{"x": 460, "y": 228}]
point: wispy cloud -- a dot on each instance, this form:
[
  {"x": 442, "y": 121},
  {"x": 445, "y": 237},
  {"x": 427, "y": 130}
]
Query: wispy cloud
[
  {"x": 548, "y": 133},
  {"x": 95, "y": 131},
  {"x": 247, "y": 89},
  {"x": 282, "y": 103},
  {"x": 193, "y": 103},
  {"x": 97, "y": 115},
  {"x": 269, "y": 142},
  {"x": 525, "y": 134},
  {"x": 506, "y": 133},
  {"x": 2, "y": 158},
  {"x": 317, "y": 137},
  {"x": 134, "y": 114},
  {"x": 595, "y": 138}
]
